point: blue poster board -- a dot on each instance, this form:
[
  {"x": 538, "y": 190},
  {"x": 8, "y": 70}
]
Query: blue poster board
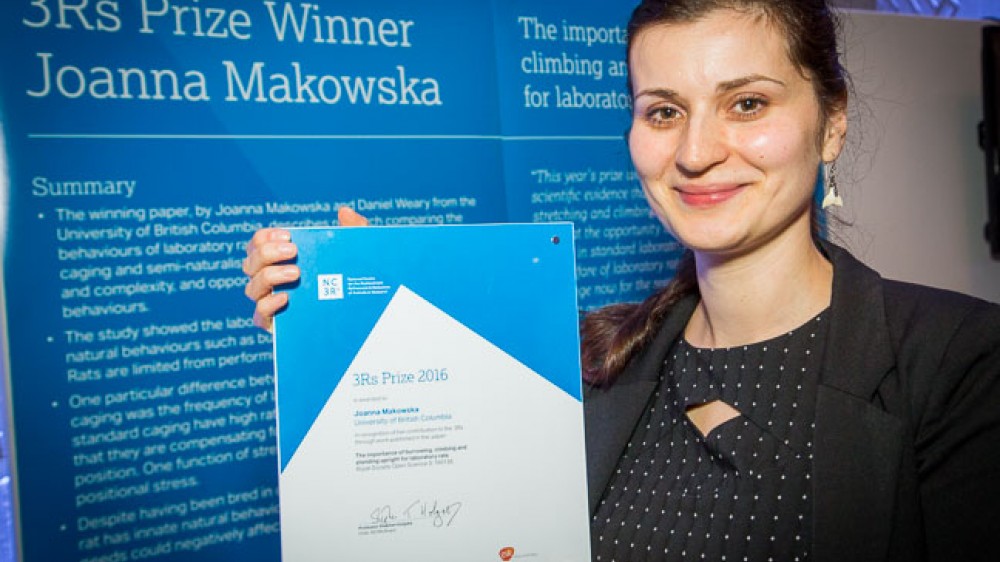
[{"x": 144, "y": 142}]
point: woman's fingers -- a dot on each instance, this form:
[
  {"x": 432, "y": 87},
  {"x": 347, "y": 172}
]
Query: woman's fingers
[
  {"x": 267, "y": 307},
  {"x": 261, "y": 284},
  {"x": 267, "y": 247},
  {"x": 348, "y": 217},
  {"x": 265, "y": 252}
]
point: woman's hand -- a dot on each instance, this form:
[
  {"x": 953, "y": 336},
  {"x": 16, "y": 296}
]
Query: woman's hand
[{"x": 266, "y": 265}]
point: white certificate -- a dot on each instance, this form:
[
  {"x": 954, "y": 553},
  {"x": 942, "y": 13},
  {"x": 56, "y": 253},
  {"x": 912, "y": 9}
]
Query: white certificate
[{"x": 429, "y": 396}]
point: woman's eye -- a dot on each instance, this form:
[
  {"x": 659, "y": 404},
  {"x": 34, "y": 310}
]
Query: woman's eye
[
  {"x": 662, "y": 115},
  {"x": 749, "y": 106}
]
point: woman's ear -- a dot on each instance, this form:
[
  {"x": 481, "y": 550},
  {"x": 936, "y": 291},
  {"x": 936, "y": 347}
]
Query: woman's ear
[{"x": 835, "y": 135}]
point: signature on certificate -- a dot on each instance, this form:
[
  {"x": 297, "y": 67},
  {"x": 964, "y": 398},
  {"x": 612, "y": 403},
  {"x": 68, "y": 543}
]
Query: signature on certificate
[{"x": 438, "y": 513}]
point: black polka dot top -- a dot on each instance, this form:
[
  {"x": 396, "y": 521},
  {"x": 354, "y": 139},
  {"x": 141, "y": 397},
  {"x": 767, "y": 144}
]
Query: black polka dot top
[{"x": 742, "y": 493}]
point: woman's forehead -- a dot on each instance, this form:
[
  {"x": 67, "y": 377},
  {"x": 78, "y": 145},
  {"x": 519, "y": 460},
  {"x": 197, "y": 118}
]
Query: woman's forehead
[{"x": 722, "y": 46}]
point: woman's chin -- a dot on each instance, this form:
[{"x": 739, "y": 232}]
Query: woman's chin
[{"x": 712, "y": 240}]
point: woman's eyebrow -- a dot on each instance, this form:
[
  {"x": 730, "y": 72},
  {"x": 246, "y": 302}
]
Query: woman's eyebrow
[
  {"x": 729, "y": 85},
  {"x": 664, "y": 93}
]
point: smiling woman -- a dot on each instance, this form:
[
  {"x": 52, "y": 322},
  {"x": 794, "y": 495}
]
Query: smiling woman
[
  {"x": 762, "y": 405},
  {"x": 778, "y": 400},
  {"x": 726, "y": 143}
]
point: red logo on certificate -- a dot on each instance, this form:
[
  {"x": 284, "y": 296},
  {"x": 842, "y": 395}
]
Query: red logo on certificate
[{"x": 506, "y": 553}]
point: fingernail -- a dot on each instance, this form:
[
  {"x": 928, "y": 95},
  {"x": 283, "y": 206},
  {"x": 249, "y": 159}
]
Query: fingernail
[
  {"x": 282, "y": 235},
  {"x": 286, "y": 249},
  {"x": 290, "y": 272}
]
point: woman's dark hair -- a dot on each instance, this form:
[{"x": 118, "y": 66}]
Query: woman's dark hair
[{"x": 613, "y": 334}]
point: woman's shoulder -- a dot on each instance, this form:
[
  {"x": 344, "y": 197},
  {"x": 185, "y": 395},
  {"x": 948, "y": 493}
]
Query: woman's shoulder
[
  {"x": 947, "y": 348},
  {"x": 915, "y": 314},
  {"x": 922, "y": 312},
  {"x": 943, "y": 343},
  {"x": 915, "y": 302}
]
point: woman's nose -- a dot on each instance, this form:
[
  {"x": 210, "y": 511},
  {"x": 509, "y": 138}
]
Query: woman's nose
[{"x": 702, "y": 145}]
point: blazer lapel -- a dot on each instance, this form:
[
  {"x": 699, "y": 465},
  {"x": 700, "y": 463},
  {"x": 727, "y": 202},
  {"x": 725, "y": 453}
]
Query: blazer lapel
[
  {"x": 855, "y": 467},
  {"x": 612, "y": 412},
  {"x": 857, "y": 445}
]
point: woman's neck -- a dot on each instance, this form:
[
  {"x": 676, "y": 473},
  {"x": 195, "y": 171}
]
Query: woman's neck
[{"x": 767, "y": 292}]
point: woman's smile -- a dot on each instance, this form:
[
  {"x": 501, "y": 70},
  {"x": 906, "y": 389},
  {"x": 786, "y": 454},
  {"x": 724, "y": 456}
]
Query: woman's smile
[{"x": 708, "y": 195}]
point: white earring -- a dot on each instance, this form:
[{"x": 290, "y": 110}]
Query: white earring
[{"x": 832, "y": 198}]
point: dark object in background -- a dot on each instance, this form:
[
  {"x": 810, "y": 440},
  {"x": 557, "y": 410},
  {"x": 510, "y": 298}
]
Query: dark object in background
[
  {"x": 856, "y": 4},
  {"x": 989, "y": 134}
]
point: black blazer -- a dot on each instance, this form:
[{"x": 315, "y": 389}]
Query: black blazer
[{"x": 906, "y": 447}]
